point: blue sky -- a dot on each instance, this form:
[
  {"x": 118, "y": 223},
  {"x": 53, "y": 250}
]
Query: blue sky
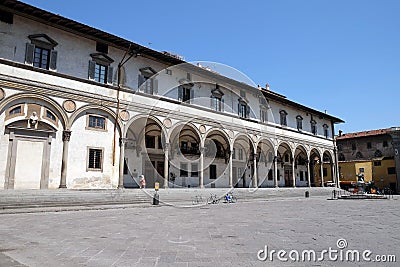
[{"x": 342, "y": 56}]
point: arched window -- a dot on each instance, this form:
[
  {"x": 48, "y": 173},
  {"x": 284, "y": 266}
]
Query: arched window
[{"x": 326, "y": 130}]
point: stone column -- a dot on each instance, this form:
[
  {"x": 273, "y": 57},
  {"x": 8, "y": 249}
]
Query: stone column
[
  {"x": 293, "y": 173},
  {"x": 308, "y": 174},
  {"x": 66, "y": 135},
  {"x": 276, "y": 170},
  {"x": 230, "y": 170},
  {"x": 201, "y": 171},
  {"x": 322, "y": 172},
  {"x": 121, "y": 162},
  {"x": 166, "y": 164},
  {"x": 255, "y": 178}
]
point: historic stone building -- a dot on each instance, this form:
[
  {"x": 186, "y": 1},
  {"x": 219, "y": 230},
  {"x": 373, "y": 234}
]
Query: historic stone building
[
  {"x": 373, "y": 153},
  {"x": 82, "y": 108}
]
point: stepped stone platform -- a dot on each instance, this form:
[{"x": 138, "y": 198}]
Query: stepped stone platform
[{"x": 20, "y": 201}]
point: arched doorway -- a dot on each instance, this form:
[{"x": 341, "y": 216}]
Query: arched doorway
[
  {"x": 216, "y": 159},
  {"x": 184, "y": 156},
  {"x": 265, "y": 157},
  {"x": 285, "y": 160},
  {"x": 300, "y": 166},
  {"x": 328, "y": 169},
  {"x": 144, "y": 154},
  {"x": 242, "y": 162},
  {"x": 315, "y": 168}
]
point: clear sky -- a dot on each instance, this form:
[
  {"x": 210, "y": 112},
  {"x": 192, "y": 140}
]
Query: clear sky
[{"x": 342, "y": 56}]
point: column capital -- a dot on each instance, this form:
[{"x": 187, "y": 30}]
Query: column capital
[{"x": 66, "y": 135}]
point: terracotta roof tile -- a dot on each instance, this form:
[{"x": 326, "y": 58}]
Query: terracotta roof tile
[{"x": 364, "y": 134}]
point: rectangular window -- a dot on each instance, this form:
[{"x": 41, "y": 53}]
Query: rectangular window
[
  {"x": 96, "y": 122},
  {"x": 240, "y": 154},
  {"x": 150, "y": 141},
  {"x": 234, "y": 153},
  {"x": 326, "y": 132},
  {"x": 263, "y": 115},
  {"x": 299, "y": 124},
  {"x": 340, "y": 147},
  {"x": 377, "y": 163},
  {"x": 391, "y": 170},
  {"x": 186, "y": 95},
  {"x": 361, "y": 170},
  {"x": 369, "y": 145},
  {"x": 353, "y": 147},
  {"x": 216, "y": 103},
  {"x": 314, "y": 128},
  {"x": 283, "y": 120},
  {"x": 194, "y": 170},
  {"x": 243, "y": 111},
  {"x": 184, "y": 170},
  {"x": 301, "y": 176},
  {"x": 213, "y": 171},
  {"x": 184, "y": 146},
  {"x": 95, "y": 160},
  {"x": 385, "y": 143},
  {"x": 41, "y": 58},
  {"x": 100, "y": 73}
]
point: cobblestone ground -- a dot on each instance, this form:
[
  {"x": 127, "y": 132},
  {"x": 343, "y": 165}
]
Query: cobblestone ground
[{"x": 213, "y": 235}]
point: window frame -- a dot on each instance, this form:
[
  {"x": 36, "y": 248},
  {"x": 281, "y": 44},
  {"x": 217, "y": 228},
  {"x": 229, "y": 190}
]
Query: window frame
[
  {"x": 88, "y": 168},
  {"x": 88, "y": 127},
  {"x": 283, "y": 117},
  {"x": 299, "y": 122}
]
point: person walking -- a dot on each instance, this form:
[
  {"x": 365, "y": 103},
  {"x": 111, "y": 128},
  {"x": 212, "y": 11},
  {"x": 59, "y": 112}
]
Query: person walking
[{"x": 142, "y": 182}]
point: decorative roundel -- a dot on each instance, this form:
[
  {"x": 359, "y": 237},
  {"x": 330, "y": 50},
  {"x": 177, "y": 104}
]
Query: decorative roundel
[
  {"x": 167, "y": 123},
  {"x": 2, "y": 94},
  {"x": 124, "y": 115},
  {"x": 69, "y": 106},
  {"x": 202, "y": 129}
]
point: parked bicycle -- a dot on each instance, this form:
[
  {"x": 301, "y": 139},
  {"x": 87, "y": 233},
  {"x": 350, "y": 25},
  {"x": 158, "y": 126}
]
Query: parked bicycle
[
  {"x": 230, "y": 198},
  {"x": 213, "y": 199},
  {"x": 198, "y": 199}
]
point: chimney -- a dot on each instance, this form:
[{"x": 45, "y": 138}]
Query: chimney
[
  {"x": 340, "y": 132},
  {"x": 266, "y": 86}
]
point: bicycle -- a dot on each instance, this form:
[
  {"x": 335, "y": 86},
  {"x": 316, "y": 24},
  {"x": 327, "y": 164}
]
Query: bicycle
[
  {"x": 197, "y": 199},
  {"x": 213, "y": 199},
  {"x": 230, "y": 198}
]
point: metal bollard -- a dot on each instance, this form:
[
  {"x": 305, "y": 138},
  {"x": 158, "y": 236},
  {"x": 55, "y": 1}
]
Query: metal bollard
[
  {"x": 307, "y": 194},
  {"x": 156, "y": 199}
]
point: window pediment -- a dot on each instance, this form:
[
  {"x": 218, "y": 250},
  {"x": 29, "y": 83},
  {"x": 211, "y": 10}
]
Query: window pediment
[
  {"x": 102, "y": 58},
  {"x": 43, "y": 40},
  {"x": 216, "y": 92},
  {"x": 147, "y": 71}
]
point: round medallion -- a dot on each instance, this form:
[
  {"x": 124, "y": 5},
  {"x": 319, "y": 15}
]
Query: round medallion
[
  {"x": 2, "y": 94},
  {"x": 69, "y": 106},
  {"x": 167, "y": 123},
  {"x": 202, "y": 129},
  {"x": 124, "y": 115}
]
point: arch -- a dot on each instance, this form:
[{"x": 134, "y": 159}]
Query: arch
[
  {"x": 79, "y": 111},
  {"x": 60, "y": 112},
  {"x": 245, "y": 135},
  {"x": 220, "y": 131},
  {"x": 183, "y": 124},
  {"x": 265, "y": 139},
  {"x": 144, "y": 116}
]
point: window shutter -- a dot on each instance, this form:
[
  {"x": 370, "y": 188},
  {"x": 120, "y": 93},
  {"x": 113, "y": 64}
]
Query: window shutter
[
  {"x": 180, "y": 88},
  {"x": 92, "y": 69},
  {"x": 155, "y": 86},
  {"x": 238, "y": 108},
  {"x": 141, "y": 80},
  {"x": 30, "y": 49},
  {"x": 211, "y": 102},
  {"x": 110, "y": 72},
  {"x": 222, "y": 105},
  {"x": 247, "y": 111},
  {"x": 53, "y": 60}
]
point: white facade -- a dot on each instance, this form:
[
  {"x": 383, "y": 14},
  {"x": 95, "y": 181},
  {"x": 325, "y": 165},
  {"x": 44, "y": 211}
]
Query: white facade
[{"x": 183, "y": 127}]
